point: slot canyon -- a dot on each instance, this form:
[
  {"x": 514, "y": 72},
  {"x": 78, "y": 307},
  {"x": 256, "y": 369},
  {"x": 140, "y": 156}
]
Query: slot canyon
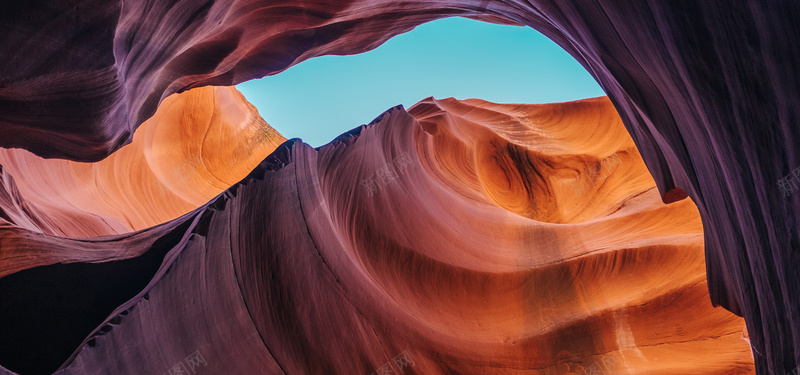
[{"x": 152, "y": 222}]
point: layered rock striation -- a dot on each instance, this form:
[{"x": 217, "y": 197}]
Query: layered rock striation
[
  {"x": 707, "y": 90},
  {"x": 456, "y": 237}
]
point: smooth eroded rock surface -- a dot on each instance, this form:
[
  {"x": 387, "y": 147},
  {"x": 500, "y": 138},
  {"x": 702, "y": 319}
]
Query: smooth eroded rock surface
[
  {"x": 198, "y": 144},
  {"x": 708, "y": 91},
  {"x": 447, "y": 239}
]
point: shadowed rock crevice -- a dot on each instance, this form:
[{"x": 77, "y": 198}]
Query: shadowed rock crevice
[{"x": 57, "y": 306}]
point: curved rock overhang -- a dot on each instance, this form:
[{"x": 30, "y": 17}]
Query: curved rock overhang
[{"x": 708, "y": 91}]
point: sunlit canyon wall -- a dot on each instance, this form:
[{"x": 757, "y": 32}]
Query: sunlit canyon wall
[{"x": 707, "y": 91}]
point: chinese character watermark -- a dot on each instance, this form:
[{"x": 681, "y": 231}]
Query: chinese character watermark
[
  {"x": 189, "y": 365},
  {"x": 604, "y": 365},
  {"x": 180, "y": 173},
  {"x": 796, "y": 371},
  {"x": 592, "y": 175},
  {"x": 789, "y": 183},
  {"x": 386, "y": 174},
  {"x": 401, "y": 362}
]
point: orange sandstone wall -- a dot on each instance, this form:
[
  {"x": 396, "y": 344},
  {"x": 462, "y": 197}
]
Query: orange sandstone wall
[{"x": 198, "y": 144}]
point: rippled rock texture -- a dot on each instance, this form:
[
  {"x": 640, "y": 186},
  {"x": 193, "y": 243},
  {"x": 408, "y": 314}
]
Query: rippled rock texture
[
  {"x": 707, "y": 90},
  {"x": 458, "y": 237},
  {"x": 198, "y": 144}
]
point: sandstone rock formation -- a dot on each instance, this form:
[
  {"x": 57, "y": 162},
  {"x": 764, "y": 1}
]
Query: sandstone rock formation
[
  {"x": 458, "y": 237},
  {"x": 197, "y": 144},
  {"x": 707, "y": 90}
]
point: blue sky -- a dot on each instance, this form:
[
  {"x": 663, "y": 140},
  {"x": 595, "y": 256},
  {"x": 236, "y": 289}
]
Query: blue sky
[{"x": 323, "y": 97}]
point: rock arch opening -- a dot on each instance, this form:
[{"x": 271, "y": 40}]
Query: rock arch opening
[{"x": 693, "y": 90}]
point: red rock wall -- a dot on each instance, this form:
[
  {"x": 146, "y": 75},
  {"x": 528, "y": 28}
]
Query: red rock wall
[
  {"x": 399, "y": 240},
  {"x": 707, "y": 90},
  {"x": 198, "y": 144}
]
